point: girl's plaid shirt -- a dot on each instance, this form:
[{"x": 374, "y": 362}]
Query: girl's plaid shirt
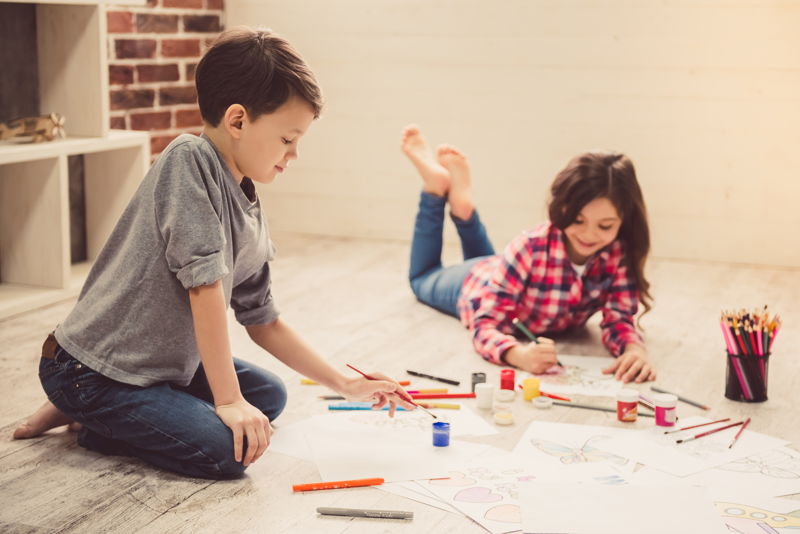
[{"x": 534, "y": 281}]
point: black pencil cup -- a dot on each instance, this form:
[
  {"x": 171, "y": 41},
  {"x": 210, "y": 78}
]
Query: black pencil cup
[{"x": 746, "y": 378}]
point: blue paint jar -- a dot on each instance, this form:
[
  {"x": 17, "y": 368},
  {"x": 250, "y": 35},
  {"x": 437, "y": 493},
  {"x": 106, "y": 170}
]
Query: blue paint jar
[{"x": 441, "y": 434}]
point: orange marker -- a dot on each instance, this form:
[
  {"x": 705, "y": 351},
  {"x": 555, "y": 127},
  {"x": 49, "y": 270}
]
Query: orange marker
[{"x": 338, "y": 484}]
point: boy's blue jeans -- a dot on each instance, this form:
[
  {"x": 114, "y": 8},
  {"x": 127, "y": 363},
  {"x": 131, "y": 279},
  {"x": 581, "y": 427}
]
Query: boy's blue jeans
[
  {"x": 434, "y": 285},
  {"x": 170, "y": 426}
]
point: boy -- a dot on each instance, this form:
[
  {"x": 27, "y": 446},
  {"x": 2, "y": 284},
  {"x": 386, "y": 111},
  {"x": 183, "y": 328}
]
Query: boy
[{"x": 143, "y": 363}]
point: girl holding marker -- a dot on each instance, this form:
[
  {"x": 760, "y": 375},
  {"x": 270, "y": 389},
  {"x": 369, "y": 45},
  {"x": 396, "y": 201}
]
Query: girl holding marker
[{"x": 588, "y": 257}]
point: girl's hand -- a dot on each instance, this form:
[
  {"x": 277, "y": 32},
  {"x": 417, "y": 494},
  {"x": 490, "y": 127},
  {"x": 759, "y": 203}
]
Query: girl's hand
[
  {"x": 632, "y": 364},
  {"x": 244, "y": 419},
  {"x": 379, "y": 392},
  {"x": 534, "y": 357}
]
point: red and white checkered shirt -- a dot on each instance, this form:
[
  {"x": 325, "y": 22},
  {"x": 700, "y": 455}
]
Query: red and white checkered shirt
[{"x": 534, "y": 281}]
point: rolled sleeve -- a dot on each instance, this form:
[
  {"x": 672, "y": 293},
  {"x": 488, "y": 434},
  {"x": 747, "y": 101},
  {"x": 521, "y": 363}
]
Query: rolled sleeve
[
  {"x": 252, "y": 299},
  {"x": 187, "y": 209}
]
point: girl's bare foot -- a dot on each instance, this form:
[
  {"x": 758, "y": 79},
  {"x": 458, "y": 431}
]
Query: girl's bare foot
[
  {"x": 45, "y": 418},
  {"x": 435, "y": 178},
  {"x": 460, "y": 195}
]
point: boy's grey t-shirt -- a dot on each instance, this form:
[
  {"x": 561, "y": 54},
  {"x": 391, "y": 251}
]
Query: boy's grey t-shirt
[{"x": 189, "y": 224}]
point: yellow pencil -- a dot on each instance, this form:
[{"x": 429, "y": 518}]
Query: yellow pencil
[
  {"x": 443, "y": 405},
  {"x": 308, "y": 382}
]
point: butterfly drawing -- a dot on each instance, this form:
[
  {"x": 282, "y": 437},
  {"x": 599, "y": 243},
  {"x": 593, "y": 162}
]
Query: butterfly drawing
[
  {"x": 775, "y": 464},
  {"x": 572, "y": 455}
]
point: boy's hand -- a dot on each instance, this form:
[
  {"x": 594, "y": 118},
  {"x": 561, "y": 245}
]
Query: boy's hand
[
  {"x": 382, "y": 391},
  {"x": 632, "y": 364},
  {"x": 244, "y": 419},
  {"x": 534, "y": 357}
]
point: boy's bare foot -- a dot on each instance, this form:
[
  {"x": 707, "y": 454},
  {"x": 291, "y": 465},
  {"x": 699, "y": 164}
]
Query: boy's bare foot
[
  {"x": 460, "y": 195},
  {"x": 436, "y": 179},
  {"x": 45, "y": 418}
]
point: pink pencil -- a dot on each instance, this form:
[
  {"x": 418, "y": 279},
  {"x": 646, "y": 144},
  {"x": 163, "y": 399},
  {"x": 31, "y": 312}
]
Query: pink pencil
[{"x": 739, "y": 433}]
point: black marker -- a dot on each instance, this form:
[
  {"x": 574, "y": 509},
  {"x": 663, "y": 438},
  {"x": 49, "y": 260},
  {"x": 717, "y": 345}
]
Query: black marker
[{"x": 445, "y": 380}]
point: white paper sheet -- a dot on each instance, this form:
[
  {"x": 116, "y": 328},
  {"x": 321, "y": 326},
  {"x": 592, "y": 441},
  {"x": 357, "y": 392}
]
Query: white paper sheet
[
  {"x": 463, "y": 422},
  {"x": 655, "y": 449},
  {"x": 344, "y": 451},
  {"x": 748, "y": 513},
  {"x": 411, "y": 490},
  {"x": 624, "y": 509},
  {"x": 581, "y": 375},
  {"x": 486, "y": 490},
  {"x": 564, "y": 444}
]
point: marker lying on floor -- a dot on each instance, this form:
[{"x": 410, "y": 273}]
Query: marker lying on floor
[
  {"x": 336, "y": 484},
  {"x": 363, "y": 512}
]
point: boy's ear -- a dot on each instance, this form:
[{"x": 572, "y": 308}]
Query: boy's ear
[{"x": 234, "y": 119}]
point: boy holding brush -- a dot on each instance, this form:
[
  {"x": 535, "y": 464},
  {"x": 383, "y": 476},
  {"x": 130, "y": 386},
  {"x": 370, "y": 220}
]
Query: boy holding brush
[{"x": 143, "y": 364}]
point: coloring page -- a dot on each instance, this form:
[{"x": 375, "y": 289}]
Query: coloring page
[
  {"x": 756, "y": 515},
  {"x": 661, "y": 451},
  {"x": 581, "y": 375},
  {"x": 463, "y": 422},
  {"x": 486, "y": 490},
  {"x": 564, "y": 444}
]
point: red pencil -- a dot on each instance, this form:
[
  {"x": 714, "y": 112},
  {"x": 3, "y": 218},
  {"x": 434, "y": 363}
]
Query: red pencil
[
  {"x": 709, "y": 432},
  {"x": 739, "y": 433},
  {"x": 399, "y": 394},
  {"x": 443, "y": 396},
  {"x": 543, "y": 394}
]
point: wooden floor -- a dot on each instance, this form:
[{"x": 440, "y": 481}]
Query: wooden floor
[{"x": 350, "y": 299}]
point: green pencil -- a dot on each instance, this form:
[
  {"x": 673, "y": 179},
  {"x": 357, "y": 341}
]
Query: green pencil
[{"x": 521, "y": 327}]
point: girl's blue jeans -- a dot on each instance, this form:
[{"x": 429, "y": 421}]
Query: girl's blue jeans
[
  {"x": 433, "y": 284},
  {"x": 169, "y": 426}
]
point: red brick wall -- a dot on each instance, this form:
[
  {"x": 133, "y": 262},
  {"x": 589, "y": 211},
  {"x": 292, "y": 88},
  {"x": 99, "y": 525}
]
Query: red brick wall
[{"x": 153, "y": 51}]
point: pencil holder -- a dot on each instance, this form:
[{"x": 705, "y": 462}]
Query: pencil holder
[{"x": 746, "y": 377}]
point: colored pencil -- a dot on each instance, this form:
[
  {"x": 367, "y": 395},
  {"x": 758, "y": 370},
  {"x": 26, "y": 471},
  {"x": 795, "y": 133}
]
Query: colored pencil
[
  {"x": 360, "y": 406},
  {"x": 309, "y": 382},
  {"x": 709, "y": 432},
  {"x": 593, "y": 407},
  {"x": 696, "y": 426},
  {"x": 437, "y": 378},
  {"x": 739, "y": 433},
  {"x": 522, "y": 328},
  {"x": 433, "y": 390},
  {"x": 552, "y": 396},
  {"x": 680, "y": 398},
  {"x": 443, "y": 396},
  {"x": 314, "y": 486},
  {"x": 401, "y": 395},
  {"x": 440, "y": 405}
]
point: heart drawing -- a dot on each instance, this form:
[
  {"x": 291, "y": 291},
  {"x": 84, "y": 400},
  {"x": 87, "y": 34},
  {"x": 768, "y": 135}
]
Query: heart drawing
[{"x": 505, "y": 513}]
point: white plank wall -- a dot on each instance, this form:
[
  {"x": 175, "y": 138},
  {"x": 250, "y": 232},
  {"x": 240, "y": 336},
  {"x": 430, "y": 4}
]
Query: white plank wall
[{"x": 704, "y": 95}]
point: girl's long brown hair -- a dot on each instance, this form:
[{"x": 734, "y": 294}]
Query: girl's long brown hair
[{"x": 606, "y": 175}]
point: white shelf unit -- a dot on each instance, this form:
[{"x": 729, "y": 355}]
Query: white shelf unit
[{"x": 35, "y": 266}]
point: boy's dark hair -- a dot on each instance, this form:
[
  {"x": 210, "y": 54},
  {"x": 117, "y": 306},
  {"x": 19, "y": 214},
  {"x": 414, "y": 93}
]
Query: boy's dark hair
[
  {"x": 254, "y": 68},
  {"x": 606, "y": 175}
]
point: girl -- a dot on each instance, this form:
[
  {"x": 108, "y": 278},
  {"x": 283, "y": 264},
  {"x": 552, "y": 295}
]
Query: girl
[{"x": 589, "y": 257}]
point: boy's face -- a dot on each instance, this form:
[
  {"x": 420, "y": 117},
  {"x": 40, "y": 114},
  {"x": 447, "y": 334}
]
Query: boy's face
[
  {"x": 267, "y": 145},
  {"x": 596, "y": 226}
]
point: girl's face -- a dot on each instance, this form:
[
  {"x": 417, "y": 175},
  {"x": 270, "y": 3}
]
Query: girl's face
[{"x": 596, "y": 226}]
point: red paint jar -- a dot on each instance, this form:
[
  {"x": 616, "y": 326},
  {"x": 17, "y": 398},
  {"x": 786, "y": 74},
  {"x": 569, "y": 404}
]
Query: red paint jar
[
  {"x": 627, "y": 405},
  {"x": 507, "y": 379}
]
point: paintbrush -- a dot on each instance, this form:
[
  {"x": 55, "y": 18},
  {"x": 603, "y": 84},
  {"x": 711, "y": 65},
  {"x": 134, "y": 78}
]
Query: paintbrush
[{"x": 401, "y": 395}]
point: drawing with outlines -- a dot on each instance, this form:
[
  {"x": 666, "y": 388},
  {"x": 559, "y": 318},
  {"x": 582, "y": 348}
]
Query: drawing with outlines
[
  {"x": 746, "y": 519},
  {"x": 774, "y": 464},
  {"x": 572, "y": 455}
]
